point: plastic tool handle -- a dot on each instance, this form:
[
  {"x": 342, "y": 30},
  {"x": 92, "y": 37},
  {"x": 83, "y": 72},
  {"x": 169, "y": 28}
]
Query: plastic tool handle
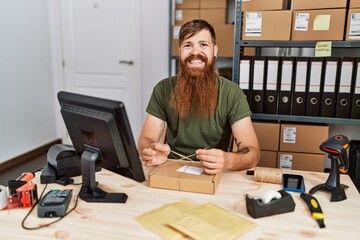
[{"x": 315, "y": 208}]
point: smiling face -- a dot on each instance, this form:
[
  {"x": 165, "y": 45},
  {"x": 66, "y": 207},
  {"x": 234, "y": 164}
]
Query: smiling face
[{"x": 197, "y": 51}]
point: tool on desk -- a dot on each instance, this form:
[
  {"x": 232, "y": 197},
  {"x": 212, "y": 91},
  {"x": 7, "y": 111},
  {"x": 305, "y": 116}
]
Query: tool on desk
[
  {"x": 24, "y": 178},
  {"x": 336, "y": 147},
  {"x": 293, "y": 183},
  {"x": 315, "y": 208},
  {"x": 268, "y": 175},
  {"x": 54, "y": 203}
]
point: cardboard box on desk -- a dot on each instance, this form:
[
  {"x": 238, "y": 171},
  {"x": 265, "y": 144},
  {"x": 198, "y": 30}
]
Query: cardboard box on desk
[{"x": 166, "y": 176}]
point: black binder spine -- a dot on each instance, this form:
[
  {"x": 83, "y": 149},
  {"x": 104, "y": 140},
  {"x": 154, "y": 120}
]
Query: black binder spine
[
  {"x": 286, "y": 85},
  {"x": 258, "y": 83},
  {"x": 343, "y": 98},
  {"x": 271, "y": 86},
  {"x": 328, "y": 98},
  {"x": 316, "y": 72},
  {"x": 301, "y": 66},
  {"x": 355, "y": 102}
]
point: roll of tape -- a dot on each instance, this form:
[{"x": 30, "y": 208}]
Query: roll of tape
[{"x": 3, "y": 197}]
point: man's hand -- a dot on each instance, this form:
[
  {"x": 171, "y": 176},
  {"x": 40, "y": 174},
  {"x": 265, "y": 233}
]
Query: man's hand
[
  {"x": 156, "y": 154},
  {"x": 213, "y": 160}
]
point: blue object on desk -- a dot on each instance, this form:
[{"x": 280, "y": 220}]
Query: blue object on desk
[{"x": 293, "y": 183}]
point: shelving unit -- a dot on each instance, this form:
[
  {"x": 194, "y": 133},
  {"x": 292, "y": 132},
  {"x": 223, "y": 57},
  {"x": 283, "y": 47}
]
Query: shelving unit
[{"x": 238, "y": 44}]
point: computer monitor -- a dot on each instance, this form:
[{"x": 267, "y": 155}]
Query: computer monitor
[{"x": 100, "y": 132}]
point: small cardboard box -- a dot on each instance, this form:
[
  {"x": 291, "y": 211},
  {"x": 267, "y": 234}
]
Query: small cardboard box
[
  {"x": 186, "y": 15},
  {"x": 268, "y": 135},
  {"x": 303, "y": 138},
  {"x": 353, "y": 25},
  {"x": 318, "y": 4},
  {"x": 354, "y": 4},
  {"x": 326, "y": 24},
  {"x": 213, "y": 3},
  {"x": 301, "y": 161},
  {"x": 225, "y": 39},
  {"x": 187, "y": 4},
  {"x": 263, "y": 5},
  {"x": 167, "y": 176},
  {"x": 267, "y": 25},
  {"x": 213, "y": 16},
  {"x": 268, "y": 159}
]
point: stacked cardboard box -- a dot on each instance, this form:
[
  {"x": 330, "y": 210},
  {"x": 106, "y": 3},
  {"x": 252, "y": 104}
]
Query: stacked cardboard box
[
  {"x": 291, "y": 146},
  {"x": 318, "y": 19},
  {"x": 213, "y": 11},
  {"x": 353, "y": 21},
  {"x": 266, "y": 20}
]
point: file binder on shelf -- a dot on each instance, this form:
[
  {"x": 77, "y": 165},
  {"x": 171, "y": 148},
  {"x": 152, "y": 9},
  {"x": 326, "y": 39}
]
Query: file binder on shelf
[
  {"x": 314, "y": 87},
  {"x": 245, "y": 76},
  {"x": 286, "y": 85},
  {"x": 355, "y": 103},
  {"x": 328, "y": 98},
  {"x": 271, "y": 86},
  {"x": 258, "y": 81},
  {"x": 343, "y": 98},
  {"x": 300, "y": 80}
]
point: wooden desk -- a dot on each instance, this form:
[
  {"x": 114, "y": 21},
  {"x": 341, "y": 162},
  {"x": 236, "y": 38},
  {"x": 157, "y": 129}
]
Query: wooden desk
[{"x": 116, "y": 221}]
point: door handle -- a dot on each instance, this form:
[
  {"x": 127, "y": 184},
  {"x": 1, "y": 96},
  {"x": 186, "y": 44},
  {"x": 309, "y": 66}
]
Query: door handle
[{"x": 126, "y": 62}]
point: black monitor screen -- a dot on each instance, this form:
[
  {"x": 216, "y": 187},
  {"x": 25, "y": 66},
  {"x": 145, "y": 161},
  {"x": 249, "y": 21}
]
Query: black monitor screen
[{"x": 100, "y": 132}]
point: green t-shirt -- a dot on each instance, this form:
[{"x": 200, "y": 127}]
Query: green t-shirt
[{"x": 188, "y": 134}]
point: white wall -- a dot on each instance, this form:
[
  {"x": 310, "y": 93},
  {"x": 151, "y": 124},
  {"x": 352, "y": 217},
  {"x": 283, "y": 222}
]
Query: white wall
[{"x": 27, "y": 118}]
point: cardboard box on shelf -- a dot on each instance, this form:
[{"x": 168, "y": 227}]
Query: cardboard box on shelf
[
  {"x": 267, "y": 25},
  {"x": 328, "y": 24},
  {"x": 268, "y": 159},
  {"x": 268, "y": 135},
  {"x": 185, "y": 15},
  {"x": 187, "y": 4},
  {"x": 318, "y": 4},
  {"x": 263, "y": 5},
  {"x": 303, "y": 138},
  {"x": 353, "y": 25},
  {"x": 213, "y": 16},
  {"x": 175, "y": 175},
  {"x": 224, "y": 39},
  {"x": 354, "y": 4},
  {"x": 213, "y": 3},
  {"x": 301, "y": 161}
]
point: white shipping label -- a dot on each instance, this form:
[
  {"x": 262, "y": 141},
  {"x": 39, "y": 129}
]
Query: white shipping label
[
  {"x": 176, "y": 31},
  {"x": 354, "y": 29},
  {"x": 301, "y": 21},
  {"x": 285, "y": 161},
  {"x": 253, "y": 24},
  {"x": 191, "y": 170},
  {"x": 289, "y": 135},
  {"x": 178, "y": 1},
  {"x": 179, "y": 15}
]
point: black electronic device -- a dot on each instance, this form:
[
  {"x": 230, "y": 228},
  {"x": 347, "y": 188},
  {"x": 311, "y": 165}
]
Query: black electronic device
[
  {"x": 293, "y": 183},
  {"x": 100, "y": 132},
  {"x": 54, "y": 203},
  {"x": 336, "y": 147}
]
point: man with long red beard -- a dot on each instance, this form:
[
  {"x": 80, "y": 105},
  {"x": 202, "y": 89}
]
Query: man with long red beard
[{"x": 199, "y": 111}]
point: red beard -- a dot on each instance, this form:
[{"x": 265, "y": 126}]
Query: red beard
[{"x": 196, "y": 89}]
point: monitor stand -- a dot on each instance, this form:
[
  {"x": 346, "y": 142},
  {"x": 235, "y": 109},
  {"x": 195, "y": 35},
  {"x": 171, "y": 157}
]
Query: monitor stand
[{"x": 90, "y": 192}]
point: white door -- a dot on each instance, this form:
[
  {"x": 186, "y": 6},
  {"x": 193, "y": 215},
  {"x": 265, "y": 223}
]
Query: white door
[{"x": 101, "y": 47}]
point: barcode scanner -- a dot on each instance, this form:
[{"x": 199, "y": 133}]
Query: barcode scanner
[{"x": 336, "y": 147}]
